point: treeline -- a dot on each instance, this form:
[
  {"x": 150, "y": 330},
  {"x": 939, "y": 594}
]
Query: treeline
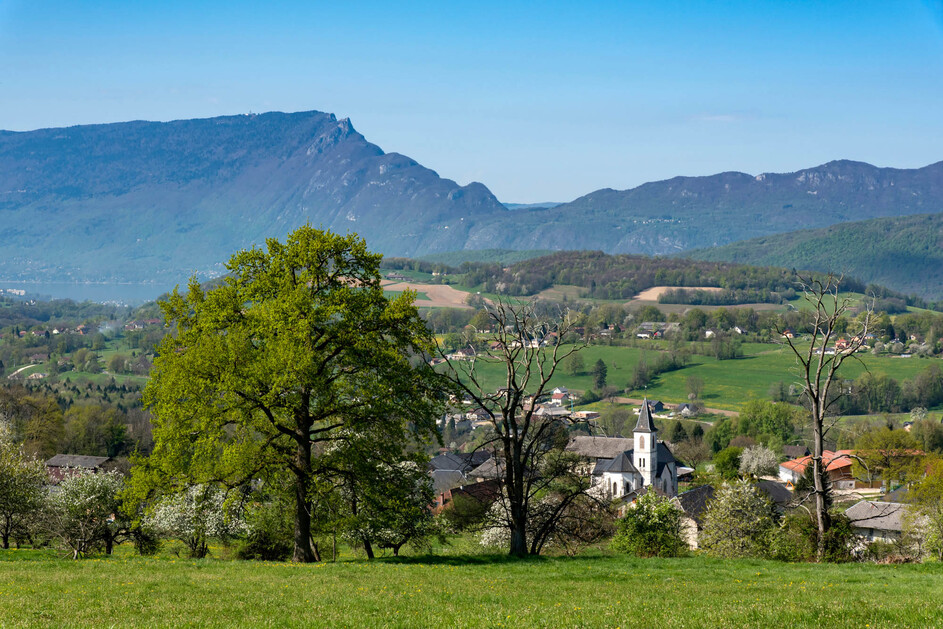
[
  {"x": 622, "y": 276},
  {"x": 724, "y": 297},
  {"x": 48, "y": 424}
]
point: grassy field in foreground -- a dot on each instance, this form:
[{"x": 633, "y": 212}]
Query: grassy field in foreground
[{"x": 592, "y": 591}]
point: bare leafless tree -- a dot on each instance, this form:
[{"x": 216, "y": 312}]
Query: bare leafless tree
[
  {"x": 528, "y": 346},
  {"x": 818, "y": 365}
]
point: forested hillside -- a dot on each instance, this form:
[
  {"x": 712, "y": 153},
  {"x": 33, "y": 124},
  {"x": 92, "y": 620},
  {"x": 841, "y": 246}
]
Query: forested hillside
[{"x": 905, "y": 253}]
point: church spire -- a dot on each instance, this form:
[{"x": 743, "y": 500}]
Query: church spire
[{"x": 645, "y": 423}]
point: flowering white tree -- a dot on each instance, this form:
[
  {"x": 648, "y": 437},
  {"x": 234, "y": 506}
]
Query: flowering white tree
[
  {"x": 738, "y": 522},
  {"x": 197, "y": 514},
  {"x": 21, "y": 486},
  {"x": 84, "y": 513},
  {"x": 758, "y": 461}
]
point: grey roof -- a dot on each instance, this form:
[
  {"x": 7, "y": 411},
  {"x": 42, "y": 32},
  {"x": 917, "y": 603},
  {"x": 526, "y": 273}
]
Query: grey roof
[
  {"x": 619, "y": 465},
  {"x": 884, "y": 516},
  {"x": 458, "y": 461},
  {"x": 444, "y": 480},
  {"x": 489, "y": 469},
  {"x": 777, "y": 492},
  {"x": 694, "y": 502},
  {"x": 645, "y": 419},
  {"x": 795, "y": 452},
  {"x": 622, "y": 462},
  {"x": 600, "y": 447},
  {"x": 78, "y": 461}
]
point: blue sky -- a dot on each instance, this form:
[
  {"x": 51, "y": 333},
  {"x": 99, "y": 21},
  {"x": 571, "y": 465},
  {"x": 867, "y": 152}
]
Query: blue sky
[{"x": 539, "y": 101}]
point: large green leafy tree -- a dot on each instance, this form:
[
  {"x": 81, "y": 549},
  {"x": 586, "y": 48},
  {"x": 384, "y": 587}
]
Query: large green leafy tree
[{"x": 297, "y": 346}]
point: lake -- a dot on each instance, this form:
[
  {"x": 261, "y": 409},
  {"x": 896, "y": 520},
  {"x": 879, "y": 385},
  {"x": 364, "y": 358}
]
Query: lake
[{"x": 125, "y": 294}]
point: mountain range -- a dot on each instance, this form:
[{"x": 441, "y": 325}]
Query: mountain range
[{"x": 159, "y": 200}]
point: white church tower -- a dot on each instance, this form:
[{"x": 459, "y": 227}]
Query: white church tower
[{"x": 646, "y": 446}]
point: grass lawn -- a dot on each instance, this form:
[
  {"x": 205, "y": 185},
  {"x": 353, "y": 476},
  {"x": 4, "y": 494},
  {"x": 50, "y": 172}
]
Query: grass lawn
[{"x": 475, "y": 591}]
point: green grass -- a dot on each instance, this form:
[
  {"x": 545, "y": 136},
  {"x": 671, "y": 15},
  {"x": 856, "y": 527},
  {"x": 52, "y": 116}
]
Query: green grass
[
  {"x": 728, "y": 384},
  {"x": 393, "y": 294},
  {"x": 474, "y": 591}
]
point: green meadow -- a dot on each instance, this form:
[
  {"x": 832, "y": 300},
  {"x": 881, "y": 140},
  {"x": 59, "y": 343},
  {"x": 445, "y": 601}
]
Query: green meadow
[
  {"x": 596, "y": 590},
  {"x": 728, "y": 384}
]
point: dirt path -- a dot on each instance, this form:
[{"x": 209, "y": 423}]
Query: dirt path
[
  {"x": 715, "y": 411},
  {"x": 439, "y": 295},
  {"x": 13, "y": 375}
]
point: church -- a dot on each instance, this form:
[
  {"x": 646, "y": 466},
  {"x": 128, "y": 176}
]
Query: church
[{"x": 625, "y": 466}]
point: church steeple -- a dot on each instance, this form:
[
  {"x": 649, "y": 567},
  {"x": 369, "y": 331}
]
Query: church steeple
[
  {"x": 645, "y": 419},
  {"x": 646, "y": 445}
]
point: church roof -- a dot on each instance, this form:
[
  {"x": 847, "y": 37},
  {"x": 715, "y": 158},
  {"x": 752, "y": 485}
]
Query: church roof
[
  {"x": 619, "y": 465},
  {"x": 645, "y": 423},
  {"x": 599, "y": 447}
]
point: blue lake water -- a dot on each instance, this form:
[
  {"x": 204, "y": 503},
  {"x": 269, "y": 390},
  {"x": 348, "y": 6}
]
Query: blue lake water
[{"x": 126, "y": 294}]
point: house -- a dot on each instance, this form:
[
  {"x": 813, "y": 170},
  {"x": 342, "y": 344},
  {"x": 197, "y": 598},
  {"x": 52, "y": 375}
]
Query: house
[
  {"x": 837, "y": 465},
  {"x": 788, "y": 334},
  {"x": 655, "y": 406},
  {"x": 484, "y": 492},
  {"x": 877, "y": 521},
  {"x": 450, "y": 470},
  {"x": 585, "y": 415},
  {"x": 693, "y": 506},
  {"x": 552, "y": 412},
  {"x": 709, "y": 334},
  {"x": 465, "y": 353},
  {"x": 686, "y": 410},
  {"x": 65, "y": 465},
  {"x": 624, "y": 466},
  {"x": 560, "y": 398}
]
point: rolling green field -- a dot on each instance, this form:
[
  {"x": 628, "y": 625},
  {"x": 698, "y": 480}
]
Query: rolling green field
[
  {"x": 728, "y": 384},
  {"x": 471, "y": 591}
]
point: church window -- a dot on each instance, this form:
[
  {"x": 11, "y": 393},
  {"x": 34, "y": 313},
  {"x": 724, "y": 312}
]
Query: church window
[
  {"x": 641, "y": 442},
  {"x": 615, "y": 489}
]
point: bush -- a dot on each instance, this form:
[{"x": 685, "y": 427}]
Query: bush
[
  {"x": 727, "y": 462},
  {"x": 650, "y": 528},
  {"x": 270, "y": 536}
]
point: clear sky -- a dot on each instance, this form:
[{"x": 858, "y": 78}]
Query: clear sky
[{"x": 537, "y": 100}]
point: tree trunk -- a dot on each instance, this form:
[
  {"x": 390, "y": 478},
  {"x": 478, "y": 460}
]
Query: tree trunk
[
  {"x": 821, "y": 516},
  {"x": 303, "y": 551},
  {"x": 368, "y": 547},
  {"x": 516, "y": 498}
]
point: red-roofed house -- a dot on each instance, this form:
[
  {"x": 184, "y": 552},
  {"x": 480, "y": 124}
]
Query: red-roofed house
[{"x": 837, "y": 464}]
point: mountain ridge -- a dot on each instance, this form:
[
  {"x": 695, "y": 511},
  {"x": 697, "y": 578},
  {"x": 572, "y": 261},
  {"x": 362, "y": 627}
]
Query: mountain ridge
[{"x": 148, "y": 200}]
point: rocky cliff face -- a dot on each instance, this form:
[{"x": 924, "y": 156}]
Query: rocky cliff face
[{"x": 131, "y": 200}]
